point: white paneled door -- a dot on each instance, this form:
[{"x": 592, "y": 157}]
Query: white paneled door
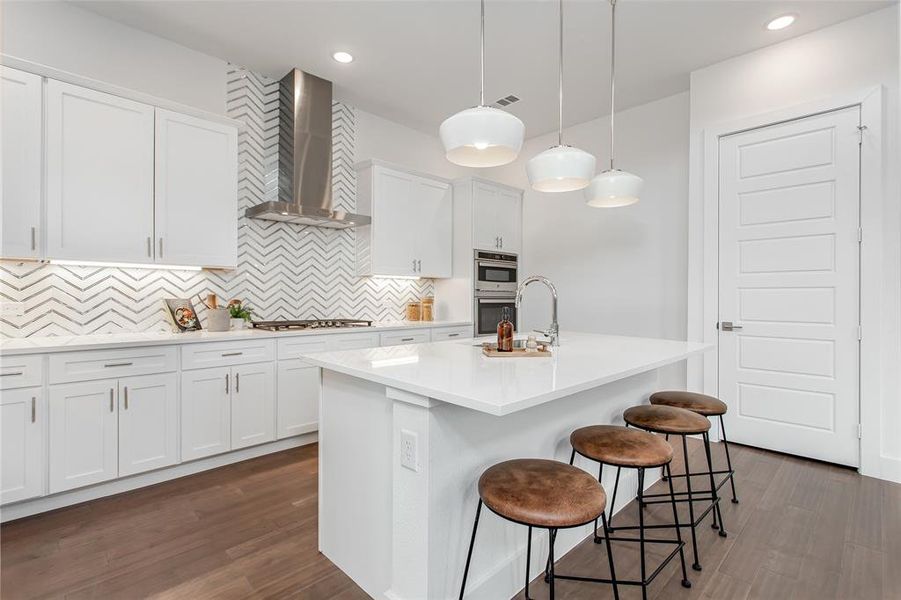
[
  {"x": 148, "y": 423},
  {"x": 789, "y": 279}
]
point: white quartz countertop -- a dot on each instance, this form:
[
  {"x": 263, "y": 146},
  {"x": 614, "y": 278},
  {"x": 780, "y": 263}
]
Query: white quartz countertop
[
  {"x": 35, "y": 345},
  {"x": 456, "y": 372}
]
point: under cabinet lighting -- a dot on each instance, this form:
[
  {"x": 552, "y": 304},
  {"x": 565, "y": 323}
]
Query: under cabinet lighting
[
  {"x": 780, "y": 22},
  {"x": 90, "y": 263}
]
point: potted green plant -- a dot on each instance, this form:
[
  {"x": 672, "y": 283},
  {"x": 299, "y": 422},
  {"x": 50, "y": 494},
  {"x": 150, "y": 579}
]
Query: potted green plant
[{"x": 240, "y": 314}]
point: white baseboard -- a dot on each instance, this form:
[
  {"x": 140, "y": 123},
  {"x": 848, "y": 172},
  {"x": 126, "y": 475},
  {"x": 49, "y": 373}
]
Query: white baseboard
[{"x": 117, "y": 486}]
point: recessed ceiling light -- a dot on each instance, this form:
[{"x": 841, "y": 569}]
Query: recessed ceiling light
[
  {"x": 343, "y": 57},
  {"x": 780, "y": 22}
]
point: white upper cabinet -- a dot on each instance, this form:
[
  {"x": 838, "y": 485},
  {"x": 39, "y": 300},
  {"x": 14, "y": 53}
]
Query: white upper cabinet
[
  {"x": 20, "y": 136},
  {"x": 496, "y": 218},
  {"x": 99, "y": 175},
  {"x": 411, "y": 230},
  {"x": 196, "y": 191}
]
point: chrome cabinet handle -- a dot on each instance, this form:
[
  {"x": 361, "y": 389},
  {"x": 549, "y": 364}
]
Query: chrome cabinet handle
[
  {"x": 407, "y": 339},
  {"x": 111, "y": 407},
  {"x": 33, "y": 409},
  {"x": 418, "y": 266},
  {"x": 502, "y": 242},
  {"x": 34, "y": 240},
  {"x": 453, "y": 334},
  {"x": 149, "y": 246},
  {"x": 125, "y": 390},
  {"x": 226, "y": 383},
  {"x": 237, "y": 383},
  {"x": 125, "y": 364},
  {"x": 414, "y": 265},
  {"x": 161, "y": 247},
  {"x": 13, "y": 373},
  {"x": 232, "y": 353}
]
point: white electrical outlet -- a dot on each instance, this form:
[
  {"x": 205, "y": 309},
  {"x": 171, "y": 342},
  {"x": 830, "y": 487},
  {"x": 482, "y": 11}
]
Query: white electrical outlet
[
  {"x": 12, "y": 309},
  {"x": 409, "y": 450}
]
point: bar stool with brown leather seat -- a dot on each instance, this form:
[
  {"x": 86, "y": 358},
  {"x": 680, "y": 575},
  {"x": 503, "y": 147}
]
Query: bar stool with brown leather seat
[
  {"x": 622, "y": 447},
  {"x": 543, "y": 494},
  {"x": 706, "y": 406},
  {"x": 678, "y": 421}
]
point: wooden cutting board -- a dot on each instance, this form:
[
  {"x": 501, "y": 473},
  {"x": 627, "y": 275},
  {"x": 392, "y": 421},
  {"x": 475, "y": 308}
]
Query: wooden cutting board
[{"x": 492, "y": 352}]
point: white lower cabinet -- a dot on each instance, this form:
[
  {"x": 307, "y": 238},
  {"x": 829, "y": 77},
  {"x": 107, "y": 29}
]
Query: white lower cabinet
[
  {"x": 22, "y": 418},
  {"x": 148, "y": 423},
  {"x": 252, "y": 405},
  {"x": 83, "y": 434},
  {"x": 298, "y": 398},
  {"x": 205, "y": 412}
]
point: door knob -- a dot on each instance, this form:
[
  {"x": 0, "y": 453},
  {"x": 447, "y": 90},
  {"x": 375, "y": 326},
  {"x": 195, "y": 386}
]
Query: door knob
[{"x": 729, "y": 326}]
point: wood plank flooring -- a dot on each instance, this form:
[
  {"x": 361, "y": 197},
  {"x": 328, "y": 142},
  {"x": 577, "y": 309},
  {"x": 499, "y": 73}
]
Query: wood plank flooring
[{"x": 803, "y": 530}]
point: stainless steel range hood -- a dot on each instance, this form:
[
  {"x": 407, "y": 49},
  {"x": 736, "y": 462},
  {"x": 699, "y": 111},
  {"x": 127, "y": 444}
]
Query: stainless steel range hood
[{"x": 305, "y": 157}]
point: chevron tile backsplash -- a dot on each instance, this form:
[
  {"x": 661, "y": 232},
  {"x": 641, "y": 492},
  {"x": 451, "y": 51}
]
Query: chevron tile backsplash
[{"x": 285, "y": 271}]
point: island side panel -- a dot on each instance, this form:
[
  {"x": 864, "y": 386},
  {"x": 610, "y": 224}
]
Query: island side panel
[
  {"x": 463, "y": 443},
  {"x": 355, "y": 479}
]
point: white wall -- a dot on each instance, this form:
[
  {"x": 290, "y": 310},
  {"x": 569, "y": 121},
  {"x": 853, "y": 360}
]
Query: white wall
[
  {"x": 846, "y": 58},
  {"x": 396, "y": 143},
  {"x": 69, "y": 38},
  {"x": 623, "y": 270}
]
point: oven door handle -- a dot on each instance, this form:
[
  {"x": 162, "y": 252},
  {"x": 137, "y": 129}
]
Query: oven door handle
[{"x": 494, "y": 263}]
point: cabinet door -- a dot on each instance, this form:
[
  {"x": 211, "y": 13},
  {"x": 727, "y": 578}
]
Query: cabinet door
[
  {"x": 394, "y": 223},
  {"x": 196, "y": 192},
  {"x": 205, "y": 412},
  {"x": 434, "y": 245},
  {"x": 20, "y": 136},
  {"x": 148, "y": 423},
  {"x": 485, "y": 233},
  {"x": 83, "y": 434},
  {"x": 298, "y": 398},
  {"x": 509, "y": 220},
  {"x": 99, "y": 176},
  {"x": 253, "y": 405},
  {"x": 22, "y": 418}
]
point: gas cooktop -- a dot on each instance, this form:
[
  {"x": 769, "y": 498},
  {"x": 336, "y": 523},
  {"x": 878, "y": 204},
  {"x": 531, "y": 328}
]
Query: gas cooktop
[{"x": 283, "y": 325}]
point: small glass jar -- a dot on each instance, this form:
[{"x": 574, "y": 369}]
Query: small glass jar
[
  {"x": 414, "y": 311},
  {"x": 428, "y": 309}
]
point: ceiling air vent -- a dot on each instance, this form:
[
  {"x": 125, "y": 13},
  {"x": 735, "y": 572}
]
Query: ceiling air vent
[{"x": 507, "y": 100}]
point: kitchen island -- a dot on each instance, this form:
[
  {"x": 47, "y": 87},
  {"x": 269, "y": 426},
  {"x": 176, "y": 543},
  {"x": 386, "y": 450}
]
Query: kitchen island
[{"x": 406, "y": 431}]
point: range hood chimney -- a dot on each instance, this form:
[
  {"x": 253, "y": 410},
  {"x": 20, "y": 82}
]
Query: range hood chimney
[{"x": 305, "y": 157}]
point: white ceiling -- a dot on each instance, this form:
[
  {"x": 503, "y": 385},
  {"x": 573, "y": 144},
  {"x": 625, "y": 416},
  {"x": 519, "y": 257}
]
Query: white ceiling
[{"x": 417, "y": 60}]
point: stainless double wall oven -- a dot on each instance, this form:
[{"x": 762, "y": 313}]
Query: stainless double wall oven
[{"x": 495, "y": 281}]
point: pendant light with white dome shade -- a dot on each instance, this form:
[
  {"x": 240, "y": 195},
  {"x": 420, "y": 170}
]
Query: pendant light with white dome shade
[
  {"x": 613, "y": 187},
  {"x": 482, "y": 136},
  {"x": 560, "y": 168}
]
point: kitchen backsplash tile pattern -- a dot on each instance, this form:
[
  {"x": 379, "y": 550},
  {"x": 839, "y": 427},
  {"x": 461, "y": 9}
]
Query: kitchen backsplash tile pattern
[{"x": 284, "y": 270}]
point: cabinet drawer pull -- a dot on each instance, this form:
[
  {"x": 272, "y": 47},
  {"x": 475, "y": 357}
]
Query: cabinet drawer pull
[
  {"x": 33, "y": 409},
  {"x": 111, "y": 407},
  {"x": 226, "y": 383},
  {"x": 125, "y": 364},
  {"x": 407, "y": 339},
  {"x": 125, "y": 392},
  {"x": 12, "y": 374},
  {"x": 237, "y": 383},
  {"x": 232, "y": 353},
  {"x": 453, "y": 334}
]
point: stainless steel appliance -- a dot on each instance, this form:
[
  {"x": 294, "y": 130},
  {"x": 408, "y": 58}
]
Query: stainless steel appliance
[
  {"x": 285, "y": 324},
  {"x": 487, "y": 310},
  {"x": 495, "y": 272},
  {"x": 305, "y": 157}
]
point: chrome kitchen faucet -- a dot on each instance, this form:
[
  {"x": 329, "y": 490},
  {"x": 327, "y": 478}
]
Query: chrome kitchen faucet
[{"x": 553, "y": 332}]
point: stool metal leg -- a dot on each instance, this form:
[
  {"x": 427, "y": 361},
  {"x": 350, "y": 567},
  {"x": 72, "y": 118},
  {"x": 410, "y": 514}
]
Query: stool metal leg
[
  {"x": 615, "y": 488},
  {"x": 665, "y": 476},
  {"x": 597, "y": 540},
  {"x": 713, "y": 493},
  {"x": 685, "y": 582},
  {"x": 644, "y": 576},
  {"x": 728, "y": 461},
  {"x": 552, "y": 538},
  {"x": 528, "y": 561},
  {"x": 691, "y": 510},
  {"x": 472, "y": 542},
  {"x": 610, "y": 557}
]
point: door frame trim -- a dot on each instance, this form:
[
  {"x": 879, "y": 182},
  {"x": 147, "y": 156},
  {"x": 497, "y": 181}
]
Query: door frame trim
[{"x": 871, "y": 257}]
